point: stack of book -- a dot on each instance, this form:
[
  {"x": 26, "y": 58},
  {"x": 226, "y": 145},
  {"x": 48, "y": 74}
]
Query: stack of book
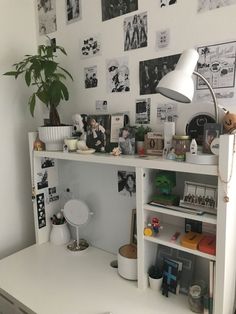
[{"x": 171, "y": 274}]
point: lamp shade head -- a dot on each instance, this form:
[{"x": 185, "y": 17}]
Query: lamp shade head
[{"x": 178, "y": 84}]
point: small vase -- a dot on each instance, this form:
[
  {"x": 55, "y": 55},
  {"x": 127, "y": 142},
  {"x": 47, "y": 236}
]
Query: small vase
[
  {"x": 60, "y": 234},
  {"x": 140, "y": 147}
]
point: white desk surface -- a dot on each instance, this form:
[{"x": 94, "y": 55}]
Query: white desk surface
[{"x": 48, "y": 279}]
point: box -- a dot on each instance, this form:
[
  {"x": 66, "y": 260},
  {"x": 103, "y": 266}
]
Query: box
[{"x": 154, "y": 143}]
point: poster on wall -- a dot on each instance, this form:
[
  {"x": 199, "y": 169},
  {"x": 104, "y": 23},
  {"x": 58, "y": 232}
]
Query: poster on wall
[
  {"x": 151, "y": 72},
  {"x": 126, "y": 183},
  {"x": 162, "y": 39},
  {"x": 142, "y": 111},
  {"x": 217, "y": 64},
  {"x": 90, "y": 77},
  {"x": 165, "y": 3},
  {"x": 167, "y": 113},
  {"x": 90, "y": 46},
  {"x": 73, "y": 11},
  {"x": 47, "y": 16},
  {"x": 101, "y": 106},
  {"x": 135, "y": 31},
  {"x": 206, "y": 5},
  {"x": 117, "y": 72},
  {"x": 114, "y": 8}
]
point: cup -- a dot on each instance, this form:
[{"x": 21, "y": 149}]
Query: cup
[{"x": 71, "y": 143}]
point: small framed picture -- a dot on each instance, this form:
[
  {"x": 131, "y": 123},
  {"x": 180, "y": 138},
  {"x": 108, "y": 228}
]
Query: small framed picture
[
  {"x": 211, "y": 131},
  {"x": 133, "y": 235},
  {"x": 127, "y": 140}
]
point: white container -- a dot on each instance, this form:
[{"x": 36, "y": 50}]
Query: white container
[
  {"x": 155, "y": 284},
  {"x": 53, "y": 136},
  {"x": 127, "y": 262},
  {"x": 60, "y": 234},
  {"x": 71, "y": 143}
]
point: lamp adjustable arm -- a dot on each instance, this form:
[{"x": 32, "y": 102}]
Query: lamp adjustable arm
[{"x": 212, "y": 94}]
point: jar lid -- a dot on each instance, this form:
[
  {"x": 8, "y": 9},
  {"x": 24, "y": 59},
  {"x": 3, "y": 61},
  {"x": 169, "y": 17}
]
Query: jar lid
[
  {"x": 181, "y": 137},
  {"x": 195, "y": 291}
]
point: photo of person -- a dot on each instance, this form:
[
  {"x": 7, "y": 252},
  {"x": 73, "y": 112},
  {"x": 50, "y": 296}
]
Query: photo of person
[
  {"x": 114, "y": 8},
  {"x": 90, "y": 46},
  {"x": 101, "y": 105},
  {"x": 151, "y": 72},
  {"x": 73, "y": 11},
  {"x": 126, "y": 183},
  {"x": 127, "y": 140},
  {"x": 205, "y": 5},
  {"x": 118, "y": 75},
  {"x": 135, "y": 31},
  {"x": 96, "y": 135},
  {"x": 143, "y": 111},
  {"x": 47, "y": 16},
  {"x": 90, "y": 77},
  {"x": 164, "y": 3}
]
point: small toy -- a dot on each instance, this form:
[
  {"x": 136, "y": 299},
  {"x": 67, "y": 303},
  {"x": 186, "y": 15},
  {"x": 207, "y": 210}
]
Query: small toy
[
  {"x": 229, "y": 123},
  {"x": 208, "y": 244},
  {"x": 155, "y": 225},
  {"x": 148, "y": 230},
  {"x": 116, "y": 151},
  {"x": 79, "y": 122},
  {"x": 191, "y": 240},
  {"x": 175, "y": 236}
]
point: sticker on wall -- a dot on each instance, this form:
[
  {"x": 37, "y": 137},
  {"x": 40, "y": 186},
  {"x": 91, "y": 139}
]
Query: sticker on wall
[
  {"x": 90, "y": 46},
  {"x": 41, "y": 210},
  {"x": 101, "y": 106},
  {"x": 167, "y": 112},
  {"x": 206, "y": 5},
  {"x": 52, "y": 194},
  {"x": 135, "y": 31},
  {"x": 165, "y": 3},
  {"x": 151, "y": 72},
  {"x": 126, "y": 183},
  {"x": 117, "y": 71},
  {"x": 217, "y": 64},
  {"x": 90, "y": 77},
  {"x": 111, "y": 8},
  {"x": 47, "y": 162},
  {"x": 73, "y": 11},
  {"x": 143, "y": 111},
  {"x": 47, "y": 16},
  {"x": 42, "y": 180},
  {"x": 162, "y": 39}
]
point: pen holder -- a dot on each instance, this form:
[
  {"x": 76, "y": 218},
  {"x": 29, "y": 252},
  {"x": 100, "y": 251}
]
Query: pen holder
[{"x": 60, "y": 234}]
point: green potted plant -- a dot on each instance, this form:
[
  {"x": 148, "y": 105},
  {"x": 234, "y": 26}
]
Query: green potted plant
[
  {"x": 46, "y": 77},
  {"x": 140, "y": 132}
]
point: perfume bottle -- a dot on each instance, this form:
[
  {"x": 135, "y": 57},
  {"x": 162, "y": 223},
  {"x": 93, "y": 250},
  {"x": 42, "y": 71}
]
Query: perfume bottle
[{"x": 193, "y": 147}]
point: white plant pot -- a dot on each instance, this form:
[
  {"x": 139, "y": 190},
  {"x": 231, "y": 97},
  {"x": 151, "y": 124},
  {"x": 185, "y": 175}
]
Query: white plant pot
[
  {"x": 155, "y": 284},
  {"x": 53, "y": 136}
]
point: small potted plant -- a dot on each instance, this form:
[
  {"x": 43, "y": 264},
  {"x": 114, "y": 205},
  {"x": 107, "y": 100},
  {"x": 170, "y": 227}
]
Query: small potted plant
[
  {"x": 44, "y": 74},
  {"x": 155, "y": 277},
  {"x": 140, "y": 132}
]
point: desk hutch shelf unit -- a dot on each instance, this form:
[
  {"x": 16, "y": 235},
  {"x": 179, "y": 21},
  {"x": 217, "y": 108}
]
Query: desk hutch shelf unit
[{"x": 223, "y": 223}]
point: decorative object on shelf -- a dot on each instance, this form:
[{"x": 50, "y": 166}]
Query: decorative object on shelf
[
  {"x": 153, "y": 227},
  {"x": 181, "y": 145},
  {"x": 46, "y": 75},
  {"x": 76, "y": 214},
  {"x": 140, "y": 132},
  {"x": 154, "y": 143},
  {"x": 193, "y": 225},
  {"x": 200, "y": 196},
  {"x": 116, "y": 151},
  {"x": 169, "y": 132},
  {"x": 165, "y": 181},
  {"x": 39, "y": 145},
  {"x": 171, "y": 275},
  {"x": 127, "y": 140},
  {"x": 193, "y": 147},
  {"x": 208, "y": 244},
  {"x": 229, "y": 122},
  {"x": 211, "y": 132},
  {"x": 79, "y": 122},
  {"x": 155, "y": 277},
  {"x": 191, "y": 240},
  {"x": 71, "y": 143}
]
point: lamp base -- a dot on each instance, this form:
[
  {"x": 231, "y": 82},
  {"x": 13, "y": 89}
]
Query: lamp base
[{"x": 202, "y": 159}]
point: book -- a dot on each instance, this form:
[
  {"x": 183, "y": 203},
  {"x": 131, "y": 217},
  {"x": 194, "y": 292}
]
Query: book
[{"x": 171, "y": 274}]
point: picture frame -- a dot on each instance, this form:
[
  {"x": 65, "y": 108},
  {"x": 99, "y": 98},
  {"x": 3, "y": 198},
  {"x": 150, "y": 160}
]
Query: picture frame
[
  {"x": 154, "y": 143},
  {"x": 211, "y": 131},
  {"x": 133, "y": 233}
]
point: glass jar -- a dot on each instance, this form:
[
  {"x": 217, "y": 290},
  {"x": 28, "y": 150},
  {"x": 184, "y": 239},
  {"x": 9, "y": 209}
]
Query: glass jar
[
  {"x": 181, "y": 144},
  {"x": 196, "y": 295}
]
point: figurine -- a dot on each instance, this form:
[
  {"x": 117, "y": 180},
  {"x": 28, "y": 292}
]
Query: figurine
[
  {"x": 116, "y": 151},
  {"x": 155, "y": 225},
  {"x": 229, "y": 122},
  {"x": 79, "y": 122}
]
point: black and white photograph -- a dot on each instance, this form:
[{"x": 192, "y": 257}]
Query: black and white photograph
[
  {"x": 47, "y": 162},
  {"x": 90, "y": 77},
  {"x": 126, "y": 183},
  {"x": 42, "y": 180},
  {"x": 53, "y": 195},
  {"x": 90, "y": 46},
  {"x": 166, "y": 3},
  {"x": 47, "y": 16},
  {"x": 206, "y": 5},
  {"x": 114, "y": 8},
  {"x": 167, "y": 113},
  {"x": 41, "y": 210},
  {"x": 135, "y": 31},
  {"x": 98, "y": 131},
  {"x": 162, "y": 39},
  {"x": 73, "y": 11},
  {"x": 142, "y": 115},
  {"x": 152, "y": 71},
  {"x": 101, "y": 106},
  {"x": 117, "y": 70},
  {"x": 127, "y": 141}
]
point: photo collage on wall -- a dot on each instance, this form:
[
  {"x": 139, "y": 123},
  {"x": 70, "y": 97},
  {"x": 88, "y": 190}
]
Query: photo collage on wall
[
  {"x": 90, "y": 77},
  {"x": 143, "y": 111},
  {"x": 118, "y": 75},
  {"x": 47, "y": 16},
  {"x": 114, "y": 8},
  {"x": 73, "y": 11},
  {"x": 90, "y": 46}
]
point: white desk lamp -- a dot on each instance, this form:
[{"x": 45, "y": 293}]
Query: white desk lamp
[{"x": 178, "y": 84}]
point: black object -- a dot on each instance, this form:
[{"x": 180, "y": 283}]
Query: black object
[
  {"x": 193, "y": 225},
  {"x": 195, "y": 127}
]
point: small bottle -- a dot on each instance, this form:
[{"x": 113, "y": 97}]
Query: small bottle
[{"x": 193, "y": 147}]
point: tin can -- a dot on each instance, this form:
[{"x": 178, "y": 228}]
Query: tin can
[{"x": 181, "y": 145}]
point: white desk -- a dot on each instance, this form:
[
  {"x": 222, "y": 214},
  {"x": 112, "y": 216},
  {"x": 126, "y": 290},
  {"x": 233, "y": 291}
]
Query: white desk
[{"x": 50, "y": 280}]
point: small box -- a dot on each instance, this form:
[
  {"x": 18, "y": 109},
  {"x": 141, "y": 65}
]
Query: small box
[
  {"x": 208, "y": 244},
  {"x": 154, "y": 143},
  {"x": 191, "y": 240}
]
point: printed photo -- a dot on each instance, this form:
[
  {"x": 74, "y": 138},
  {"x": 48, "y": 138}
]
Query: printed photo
[
  {"x": 90, "y": 46},
  {"x": 42, "y": 180},
  {"x": 162, "y": 39},
  {"x": 101, "y": 105},
  {"x": 135, "y": 31},
  {"x": 117, "y": 75},
  {"x": 47, "y": 16},
  {"x": 90, "y": 77},
  {"x": 143, "y": 111},
  {"x": 114, "y": 8},
  {"x": 206, "y": 5},
  {"x": 126, "y": 183},
  {"x": 167, "y": 113},
  {"x": 152, "y": 71},
  {"x": 127, "y": 140},
  {"x": 165, "y": 3},
  {"x": 73, "y": 11},
  {"x": 47, "y": 162}
]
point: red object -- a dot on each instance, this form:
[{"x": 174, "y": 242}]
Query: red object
[{"x": 208, "y": 244}]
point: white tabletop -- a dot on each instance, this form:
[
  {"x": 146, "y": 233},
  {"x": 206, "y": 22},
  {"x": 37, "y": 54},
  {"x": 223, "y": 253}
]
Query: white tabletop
[{"x": 48, "y": 279}]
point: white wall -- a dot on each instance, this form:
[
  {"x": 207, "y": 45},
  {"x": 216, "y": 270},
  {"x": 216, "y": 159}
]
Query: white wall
[{"x": 17, "y": 37}]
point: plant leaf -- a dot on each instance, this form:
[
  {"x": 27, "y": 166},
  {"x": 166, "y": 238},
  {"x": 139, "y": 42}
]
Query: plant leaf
[
  {"x": 28, "y": 77},
  {"x": 66, "y": 72},
  {"x": 32, "y": 104}
]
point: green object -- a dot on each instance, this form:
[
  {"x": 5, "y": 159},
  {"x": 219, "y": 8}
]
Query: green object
[
  {"x": 46, "y": 76},
  {"x": 165, "y": 181},
  {"x": 140, "y": 132}
]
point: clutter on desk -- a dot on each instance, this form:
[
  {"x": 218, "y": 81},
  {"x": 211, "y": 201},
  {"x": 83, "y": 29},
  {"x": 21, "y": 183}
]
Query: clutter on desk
[{"x": 60, "y": 233}]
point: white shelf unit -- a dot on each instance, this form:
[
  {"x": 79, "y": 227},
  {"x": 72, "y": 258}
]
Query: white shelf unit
[{"x": 224, "y": 222}]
